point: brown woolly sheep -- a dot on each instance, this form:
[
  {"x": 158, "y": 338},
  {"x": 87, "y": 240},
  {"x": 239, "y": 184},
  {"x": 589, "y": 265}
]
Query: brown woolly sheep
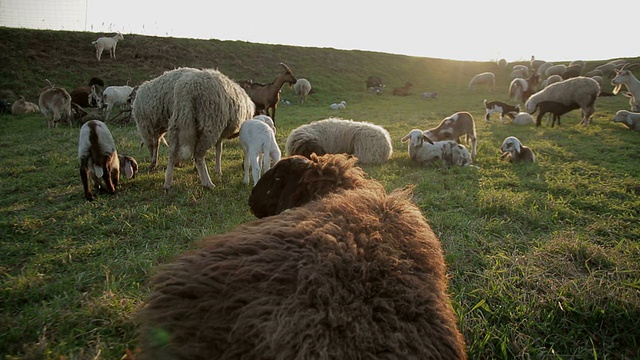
[{"x": 356, "y": 275}]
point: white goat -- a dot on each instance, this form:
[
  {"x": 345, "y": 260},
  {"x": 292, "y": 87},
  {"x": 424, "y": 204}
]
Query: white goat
[
  {"x": 258, "y": 140},
  {"x": 426, "y": 152},
  {"x": 514, "y": 151},
  {"x": 629, "y": 119},
  {"x": 107, "y": 43},
  {"x": 455, "y": 126},
  {"x": 625, "y": 77},
  {"x": 115, "y": 95},
  {"x": 338, "y": 106}
]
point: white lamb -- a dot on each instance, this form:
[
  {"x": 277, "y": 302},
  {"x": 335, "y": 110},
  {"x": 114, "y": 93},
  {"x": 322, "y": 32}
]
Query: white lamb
[
  {"x": 259, "y": 144},
  {"x": 115, "y": 96},
  {"x": 426, "y": 152},
  {"x": 338, "y": 106},
  {"x": 107, "y": 43},
  {"x": 629, "y": 119}
]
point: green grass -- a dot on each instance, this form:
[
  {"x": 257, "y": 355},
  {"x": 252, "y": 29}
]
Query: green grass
[{"x": 544, "y": 259}]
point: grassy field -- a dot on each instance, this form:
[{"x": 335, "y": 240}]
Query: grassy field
[{"x": 544, "y": 259}]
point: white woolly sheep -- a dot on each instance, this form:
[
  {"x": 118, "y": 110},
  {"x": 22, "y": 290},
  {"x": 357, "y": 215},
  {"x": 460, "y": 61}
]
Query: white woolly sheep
[
  {"x": 24, "y": 107},
  {"x": 258, "y": 140},
  {"x": 152, "y": 108},
  {"x": 485, "y": 78},
  {"x": 430, "y": 95},
  {"x": 338, "y": 106},
  {"x": 513, "y": 150},
  {"x": 535, "y": 63},
  {"x": 550, "y": 80},
  {"x": 555, "y": 70},
  {"x": 55, "y": 105},
  {"x": 518, "y": 73},
  {"x": 302, "y": 87},
  {"x": 517, "y": 88},
  {"x": 593, "y": 73},
  {"x": 370, "y": 143},
  {"x": 542, "y": 69},
  {"x": 426, "y": 152},
  {"x": 625, "y": 77},
  {"x": 599, "y": 79},
  {"x": 523, "y": 118},
  {"x": 609, "y": 69},
  {"x": 629, "y": 119},
  {"x": 455, "y": 126},
  {"x": 581, "y": 90},
  {"x": 100, "y": 160},
  {"x": 107, "y": 43},
  {"x": 115, "y": 96},
  {"x": 208, "y": 108}
]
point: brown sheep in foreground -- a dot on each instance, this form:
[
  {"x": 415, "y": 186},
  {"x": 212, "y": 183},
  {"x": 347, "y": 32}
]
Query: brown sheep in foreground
[{"x": 358, "y": 274}]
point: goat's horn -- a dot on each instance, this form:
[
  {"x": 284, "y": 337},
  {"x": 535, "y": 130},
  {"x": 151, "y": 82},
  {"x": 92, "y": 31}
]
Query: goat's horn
[{"x": 285, "y": 66}]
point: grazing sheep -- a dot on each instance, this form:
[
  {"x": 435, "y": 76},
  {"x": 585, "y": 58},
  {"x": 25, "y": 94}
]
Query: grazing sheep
[
  {"x": 520, "y": 89},
  {"x": 581, "y": 90},
  {"x": 24, "y": 107},
  {"x": 107, "y": 43},
  {"x": 523, "y": 118},
  {"x": 555, "y": 70},
  {"x": 358, "y": 274},
  {"x": 302, "y": 87},
  {"x": 99, "y": 158},
  {"x": 370, "y": 143},
  {"x": 535, "y": 63},
  {"x": 513, "y": 150},
  {"x": 208, "y": 107},
  {"x": 455, "y": 126},
  {"x": 629, "y": 119},
  {"x": 338, "y": 106},
  {"x": 258, "y": 140},
  {"x": 152, "y": 108},
  {"x": 518, "y": 73},
  {"x": 500, "y": 107},
  {"x": 404, "y": 90},
  {"x": 542, "y": 69},
  {"x": 572, "y": 71},
  {"x": 55, "y": 105},
  {"x": 427, "y": 153},
  {"x": 502, "y": 64},
  {"x": 485, "y": 78},
  {"x": 550, "y": 80}
]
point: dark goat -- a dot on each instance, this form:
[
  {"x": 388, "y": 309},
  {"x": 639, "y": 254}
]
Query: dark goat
[
  {"x": 84, "y": 96},
  {"x": 502, "y": 108},
  {"x": 404, "y": 90},
  {"x": 555, "y": 108},
  {"x": 267, "y": 96},
  {"x": 373, "y": 81}
]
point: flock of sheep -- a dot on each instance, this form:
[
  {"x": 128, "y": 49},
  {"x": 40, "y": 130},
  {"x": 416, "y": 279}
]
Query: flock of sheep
[{"x": 335, "y": 267}]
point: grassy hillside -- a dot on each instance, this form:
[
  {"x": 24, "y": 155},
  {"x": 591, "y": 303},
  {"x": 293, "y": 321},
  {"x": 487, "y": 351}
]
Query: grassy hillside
[{"x": 544, "y": 259}]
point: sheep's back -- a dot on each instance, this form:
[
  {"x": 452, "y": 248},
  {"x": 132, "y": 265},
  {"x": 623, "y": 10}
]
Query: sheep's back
[{"x": 355, "y": 275}]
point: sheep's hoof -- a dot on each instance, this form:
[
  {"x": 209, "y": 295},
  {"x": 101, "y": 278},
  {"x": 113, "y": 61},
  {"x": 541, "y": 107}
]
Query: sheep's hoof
[{"x": 167, "y": 190}]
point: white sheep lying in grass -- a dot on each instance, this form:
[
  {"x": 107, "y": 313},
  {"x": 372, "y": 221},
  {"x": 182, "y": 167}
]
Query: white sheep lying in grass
[
  {"x": 259, "y": 144},
  {"x": 455, "y": 126},
  {"x": 370, "y": 143},
  {"x": 338, "y": 106},
  {"x": 107, "y": 43},
  {"x": 514, "y": 151},
  {"x": 524, "y": 118},
  {"x": 426, "y": 152},
  {"x": 629, "y": 119}
]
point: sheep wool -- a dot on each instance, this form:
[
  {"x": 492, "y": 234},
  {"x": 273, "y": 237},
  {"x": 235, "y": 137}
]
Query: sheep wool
[{"x": 370, "y": 143}]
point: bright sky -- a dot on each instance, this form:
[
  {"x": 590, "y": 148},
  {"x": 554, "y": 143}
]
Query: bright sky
[{"x": 552, "y": 30}]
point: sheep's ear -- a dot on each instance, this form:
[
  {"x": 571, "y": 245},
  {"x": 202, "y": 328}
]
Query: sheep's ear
[
  {"x": 427, "y": 138},
  {"x": 516, "y": 146},
  {"x": 405, "y": 138}
]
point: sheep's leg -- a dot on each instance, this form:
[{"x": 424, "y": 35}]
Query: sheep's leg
[
  {"x": 246, "y": 168},
  {"x": 256, "y": 170},
  {"x": 218, "y": 167},
  {"x": 201, "y": 165},
  {"x": 168, "y": 175},
  {"x": 154, "y": 147}
]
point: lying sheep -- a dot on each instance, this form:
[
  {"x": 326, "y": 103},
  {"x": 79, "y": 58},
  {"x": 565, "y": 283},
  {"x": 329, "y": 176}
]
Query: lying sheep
[
  {"x": 629, "y": 119},
  {"x": 24, "y": 107},
  {"x": 455, "y": 126},
  {"x": 358, "y": 274},
  {"x": 208, "y": 108},
  {"x": 258, "y": 140},
  {"x": 55, "y": 105},
  {"x": 523, "y": 118},
  {"x": 485, "y": 78},
  {"x": 99, "y": 159},
  {"x": 426, "y": 152},
  {"x": 513, "y": 150},
  {"x": 302, "y": 87},
  {"x": 402, "y": 91},
  {"x": 429, "y": 95},
  {"x": 370, "y": 143},
  {"x": 338, "y": 106},
  {"x": 581, "y": 90},
  {"x": 500, "y": 107},
  {"x": 107, "y": 43}
]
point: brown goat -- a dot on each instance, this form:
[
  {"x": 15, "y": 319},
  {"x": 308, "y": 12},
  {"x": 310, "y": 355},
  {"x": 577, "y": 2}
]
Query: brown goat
[
  {"x": 404, "y": 90},
  {"x": 23, "y": 107},
  {"x": 358, "y": 274},
  {"x": 267, "y": 96},
  {"x": 455, "y": 126},
  {"x": 55, "y": 104}
]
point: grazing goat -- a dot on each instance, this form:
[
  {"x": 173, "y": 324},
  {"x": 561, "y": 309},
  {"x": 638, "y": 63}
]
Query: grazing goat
[
  {"x": 513, "y": 150},
  {"x": 24, "y": 107},
  {"x": 100, "y": 160},
  {"x": 629, "y": 119},
  {"x": 455, "y": 126},
  {"x": 89, "y": 95},
  {"x": 427, "y": 153},
  {"x": 581, "y": 90},
  {"x": 501, "y": 108},
  {"x": 370, "y": 143},
  {"x": 404, "y": 90},
  {"x": 358, "y": 274},
  {"x": 302, "y": 88},
  {"x": 258, "y": 140},
  {"x": 625, "y": 77},
  {"x": 485, "y": 78},
  {"x": 107, "y": 43},
  {"x": 266, "y": 96},
  {"x": 55, "y": 105}
]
